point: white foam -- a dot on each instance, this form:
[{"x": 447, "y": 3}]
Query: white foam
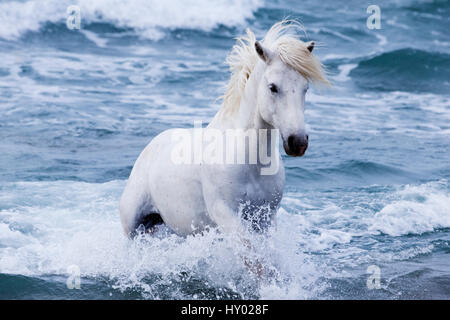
[
  {"x": 345, "y": 71},
  {"x": 382, "y": 39},
  {"x": 100, "y": 42},
  {"x": 145, "y": 16},
  {"x": 416, "y": 210},
  {"x": 18, "y": 17}
]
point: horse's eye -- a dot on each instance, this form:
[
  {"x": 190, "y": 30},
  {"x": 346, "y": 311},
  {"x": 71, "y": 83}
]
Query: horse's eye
[{"x": 273, "y": 88}]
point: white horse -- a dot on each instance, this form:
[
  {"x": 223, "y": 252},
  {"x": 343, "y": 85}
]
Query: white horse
[{"x": 267, "y": 90}]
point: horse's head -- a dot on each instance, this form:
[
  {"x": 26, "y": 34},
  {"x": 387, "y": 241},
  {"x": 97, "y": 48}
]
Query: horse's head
[
  {"x": 281, "y": 99},
  {"x": 279, "y": 69}
]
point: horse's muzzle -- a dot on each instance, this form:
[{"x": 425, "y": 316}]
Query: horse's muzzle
[{"x": 296, "y": 145}]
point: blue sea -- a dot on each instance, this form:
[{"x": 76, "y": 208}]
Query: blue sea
[{"x": 78, "y": 106}]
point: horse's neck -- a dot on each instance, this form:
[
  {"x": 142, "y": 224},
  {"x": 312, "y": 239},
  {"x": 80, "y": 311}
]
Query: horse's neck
[{"x": 247, "y": 117}]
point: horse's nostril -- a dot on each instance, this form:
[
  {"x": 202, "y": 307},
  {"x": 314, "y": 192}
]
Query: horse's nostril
[
  {"x": 291, "y": 142},
  {"x": 307, "y": 138}
]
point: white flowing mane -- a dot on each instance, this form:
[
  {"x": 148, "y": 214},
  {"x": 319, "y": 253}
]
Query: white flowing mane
[{"x": 282, "y": 39}]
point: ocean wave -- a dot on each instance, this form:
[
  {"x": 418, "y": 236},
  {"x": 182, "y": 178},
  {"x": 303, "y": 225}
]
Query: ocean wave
[
  {"x": 374, "y": 210},
  {"x": 376, "y": 224},
  {"x": 147, "y": 17},
  {"x": 350, "y": 172},
  {"x": 365, "y": 168},
  {"x": 404, "y": 70},
  {"x": 415, "y": 210}
]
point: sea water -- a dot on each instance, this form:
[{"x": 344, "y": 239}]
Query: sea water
[{"x": 366, "y": 212}]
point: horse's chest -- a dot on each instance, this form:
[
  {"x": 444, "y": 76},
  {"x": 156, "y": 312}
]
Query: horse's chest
[
  {"x": 260, "y": 190},
  {"x": 259, "y": 203},
  {"x": 238, "y": 186}
]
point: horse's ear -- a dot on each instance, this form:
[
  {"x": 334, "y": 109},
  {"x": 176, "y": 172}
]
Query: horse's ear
[
  {"x": 310, "y": 46},
  {"x": 262, "y": 52}
]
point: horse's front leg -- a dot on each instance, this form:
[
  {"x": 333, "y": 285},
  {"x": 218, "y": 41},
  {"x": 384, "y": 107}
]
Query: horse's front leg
[
  {"x": 229, "y": 221},
  {"x": 226, "y": 218}
]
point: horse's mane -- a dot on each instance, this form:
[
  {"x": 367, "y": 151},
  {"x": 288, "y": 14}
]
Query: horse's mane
[{"x": 282, "y": 39}]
